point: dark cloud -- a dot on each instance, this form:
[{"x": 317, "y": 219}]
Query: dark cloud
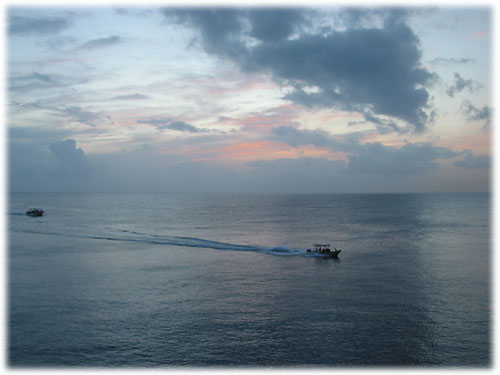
[
  {"x": 370, "y": 158},
  {"x": 411, "y": 159},
  {"x": 35, "y": 134},
  {"x": 20, "y": 25},
  {"x": 319, "y": 138},
  {"x": 220, "y": 28},
  {"x": 384, "y": 125},
  {"x": 366, "y": 70},
  {"x": 182, "y": 127},
  {"x": 144, "y": 169},
  {"x": 369, "y": 70},
  {"x": 29, "y": 167},
  {"x": 72, "y": 160},
  {"x": 477, "y": 114},
  {"x": 460, "y": 84},
  {"x": 273, "y": 25},
  {"x": 471, "y": 161},
  {"x": 297, "y": 175},
  {"x": 296, "y": 138},
  {"x": 101, "y": 42}
]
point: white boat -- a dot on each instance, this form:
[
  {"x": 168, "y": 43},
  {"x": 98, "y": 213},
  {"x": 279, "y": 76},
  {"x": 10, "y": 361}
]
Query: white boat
[
  {"x": 325, "y": 250},
  {"x": 35, "y": 212}
]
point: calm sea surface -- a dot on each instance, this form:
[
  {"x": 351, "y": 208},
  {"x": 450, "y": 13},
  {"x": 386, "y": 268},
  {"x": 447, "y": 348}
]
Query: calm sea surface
[{"x": 148, "y": 280}]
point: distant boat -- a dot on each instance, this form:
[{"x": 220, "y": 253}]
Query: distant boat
[
  {"x": 35, "y": 212},
  {"x": 324, "y": 249}
]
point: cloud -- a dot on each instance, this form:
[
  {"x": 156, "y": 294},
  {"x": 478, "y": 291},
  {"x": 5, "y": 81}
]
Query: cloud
[
  {"x": 29, "y": 167},
  {"x": 81, "y": 115},
  {"x": 370, "y": 158},
  {"x": 32, "y": 80},
  {"x": 296, "y": 138},
  {"x": 365, "y": 71},
  {"x": 35, "y": 135},
  {"x": 47, "y": 78},
  {"x": 451, "y": 61},
  {"x": 133, "y": 11},
  {"x": 101, "y": 42},
  {"x": 134, "y": 96},
  {"x": 59, "y": 167},
  {"x": 479, "y": 35},
  {"x": 368, "y": 70},
  {"x": 220, "y": 28},
  {"x": 256, "y": 121},
  {"x": 383, "y": 125},
  {"x": 72, "y": 160},
  {"x": 145, "y": 170},
  {"x": 471, "y": 161},
  {"x": 273, "y": 25},
  {"x": 36, "y": 81},
  {"x": 165, "y": 123},
  {"x": 461, "y": 84},
  {"x": 477, "y": 114},
  {"x": 20, "y": 25},
  {"x": 182, "y": 127},
  {"x": 297, "y": 175},
  {"x": 410, "y": 159},
  {"x": 156, "y": 121}
]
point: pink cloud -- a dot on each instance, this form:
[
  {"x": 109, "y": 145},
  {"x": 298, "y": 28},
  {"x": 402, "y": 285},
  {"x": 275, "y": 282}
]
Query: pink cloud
[
  {"x": 479, "y": 143},
  {"x": 478, "y": 35},
  {"x": 284, "y": 115}
]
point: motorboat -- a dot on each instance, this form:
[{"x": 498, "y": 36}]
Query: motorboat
[
  {"x": 325, "y": 250},
  {"x": 35, "y": 212}
]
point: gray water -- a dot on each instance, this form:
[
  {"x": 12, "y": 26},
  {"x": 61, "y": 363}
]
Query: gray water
[{"x": 149, "y": 280}]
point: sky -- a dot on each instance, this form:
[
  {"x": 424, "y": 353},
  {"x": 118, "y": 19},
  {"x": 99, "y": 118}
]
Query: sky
[{"x": 325, "y": 99}]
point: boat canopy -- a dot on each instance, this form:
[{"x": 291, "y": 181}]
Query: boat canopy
[{"x": 321, "y": 245}]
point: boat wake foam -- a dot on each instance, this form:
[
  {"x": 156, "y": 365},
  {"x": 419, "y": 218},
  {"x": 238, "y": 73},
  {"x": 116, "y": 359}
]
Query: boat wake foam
[
  {"x": 207, "y": 244},
  {"x": 132, "y": 236}
]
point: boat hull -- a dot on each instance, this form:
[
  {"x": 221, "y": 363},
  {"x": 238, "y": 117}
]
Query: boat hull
[{"x": 331, "y": 254}]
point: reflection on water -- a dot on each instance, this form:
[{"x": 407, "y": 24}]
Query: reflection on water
[{"x": 405, "y": 290}]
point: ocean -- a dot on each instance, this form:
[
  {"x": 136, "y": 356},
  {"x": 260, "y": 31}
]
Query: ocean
[{"x": 198, "y": 280}]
